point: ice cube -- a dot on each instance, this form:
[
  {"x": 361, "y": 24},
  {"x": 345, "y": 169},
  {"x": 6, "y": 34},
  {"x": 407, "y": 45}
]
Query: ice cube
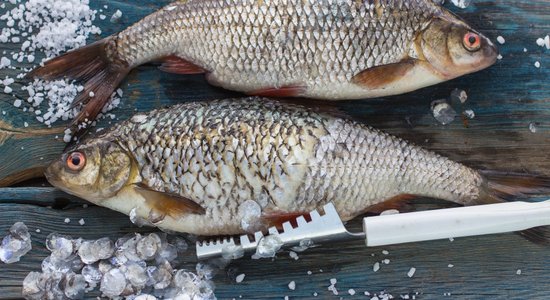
[
  {"x": 148, "y": 247},
  {"x": 268, "y": 246},
  {"x": 113, "y": 283},
  {"x": 105, "y": 266},
  {"x": 34, "y": 286},
  {"x": 86, "y": 253},
  {"x": 232, "y": 251},
  {"x": 136, "y": 274},
  {"x": 181, "y": 244},
  {"x": 92, "y": 275},
  {"x": 167, "y": 252},
  {"x": 126, "y": 248},
  {"x": 16, "y": 244},
  {"x": 160, "y": 276},
  {"x": 205, "y": 271},
  {"x": 443, "y": 112},
  {"x": 61, "y": 246},
  {"x": 52, "y": 264},
  {"x": 250, "y": 213},
  {"x": 74, "y": 286}
]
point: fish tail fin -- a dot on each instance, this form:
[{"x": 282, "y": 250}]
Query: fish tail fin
[
  {"x": 92, "y": 66},
  {"x": 502, "y": 187}
]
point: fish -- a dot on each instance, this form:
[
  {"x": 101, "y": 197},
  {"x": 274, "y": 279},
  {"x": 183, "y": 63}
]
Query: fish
[
  {"x": 318, "y": 49},
  {"x": 234, "y": 166}
]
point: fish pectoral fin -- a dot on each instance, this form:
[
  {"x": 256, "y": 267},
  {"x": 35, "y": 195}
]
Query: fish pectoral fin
[
  {"x": 167, "y": 203},
  {"x": 276, "y": 219},
  {"x": 380, "y": 76},
  {"x": 284, "y": 91},
  {"x": 399, "y": 202},
  {"x": 177, "y": 65}
]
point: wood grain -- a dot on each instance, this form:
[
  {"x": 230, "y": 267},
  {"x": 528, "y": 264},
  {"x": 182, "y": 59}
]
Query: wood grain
[{"x": 506, "y": 98}]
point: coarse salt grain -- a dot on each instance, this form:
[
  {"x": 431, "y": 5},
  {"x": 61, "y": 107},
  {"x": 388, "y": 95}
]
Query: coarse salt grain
[
  {"x": 292, "y": 285},
  {"x": 116, "y": 16},
  {"x": 376, "y": 267},
  {"x": 67, "y": 220},
  {"x": 240, "y": 278},
  {"x": 544, "y": 42},
  {"x": 81, "y": 222},
  {"x": 333, "y": 281},
  {"x": 411, "y": 272},
  {"x": 518, "y": 272},
  {"x": 351, "y": 292},
  {"x": 450, "y": 265},
  {"x": 501, "y": 40},
  {"x": 537, "y": 64}
]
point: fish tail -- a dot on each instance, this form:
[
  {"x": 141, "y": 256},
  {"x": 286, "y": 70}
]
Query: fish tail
[
  {"x": 95, "y": 68},
  {"x": 499, "y": 187}
]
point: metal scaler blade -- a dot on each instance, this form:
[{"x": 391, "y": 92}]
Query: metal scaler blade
[
  {"x": 399, "y": 228},
  {"x": 321, "y": 228}
]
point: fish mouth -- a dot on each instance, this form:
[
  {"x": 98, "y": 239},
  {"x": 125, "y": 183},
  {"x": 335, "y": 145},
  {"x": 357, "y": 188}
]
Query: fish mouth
[
  {"x": 490, "y": 53},
  {"x": 51, "y": 174}
]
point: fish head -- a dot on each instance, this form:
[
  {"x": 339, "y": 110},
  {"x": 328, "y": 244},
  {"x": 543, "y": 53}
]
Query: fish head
[
  {"x": 94, "y": 171},
  {"x": 453, "y": 48}
]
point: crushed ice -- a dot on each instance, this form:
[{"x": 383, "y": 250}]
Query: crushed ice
[
  {"x": 133, "y": 267},
  {"x": 250, "y": 213},
  {"x": 268, "y": 247}
]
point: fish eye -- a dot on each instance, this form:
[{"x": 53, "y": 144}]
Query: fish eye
[
  {"x": 472, "y": 41},
  {"x": 76, "y": 161}
]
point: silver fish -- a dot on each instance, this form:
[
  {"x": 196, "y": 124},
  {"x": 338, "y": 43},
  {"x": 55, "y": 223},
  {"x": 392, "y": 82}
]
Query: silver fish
[
  {"x": 203, "y": 167},
  {"x": 328, "y": 49}
]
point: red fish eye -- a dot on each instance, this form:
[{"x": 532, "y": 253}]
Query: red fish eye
[
  {"x": 76, "y": 161},
  {"x": 472, "y": 41}
]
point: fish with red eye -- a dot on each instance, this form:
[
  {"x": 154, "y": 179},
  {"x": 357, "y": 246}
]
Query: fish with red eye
[
  {"x": 76, "y": 161},
  {"x": 472, "y": 41}
]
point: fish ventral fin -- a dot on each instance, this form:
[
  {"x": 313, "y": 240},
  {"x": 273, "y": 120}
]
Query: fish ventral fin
[
  {"x": 177, "y": 65},
  {"x": 381, "y": 76},
  {"x": 399, "y": 202},
  {"x": 284, "y": 91},
  {"x": 91, "y": 66},
  {"x": 168, "y": 204},
  {"x": 501, "y": 187}
]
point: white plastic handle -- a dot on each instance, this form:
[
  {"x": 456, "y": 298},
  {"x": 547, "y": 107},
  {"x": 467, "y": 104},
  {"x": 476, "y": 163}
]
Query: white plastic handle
[{"x": 455, "y": 222}]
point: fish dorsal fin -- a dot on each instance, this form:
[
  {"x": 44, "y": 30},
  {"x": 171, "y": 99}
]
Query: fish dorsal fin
[
  {"x": 168, "y": 204},
  {"x": 380, "y": 76}
]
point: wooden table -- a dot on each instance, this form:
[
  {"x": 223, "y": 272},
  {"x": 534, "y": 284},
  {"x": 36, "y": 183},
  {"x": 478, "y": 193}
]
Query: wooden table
[{"x": 505, "y": 98}]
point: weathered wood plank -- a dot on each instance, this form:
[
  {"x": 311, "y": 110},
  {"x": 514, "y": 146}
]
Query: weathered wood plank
[
  {"x": 505, "y": 98},
  {"x": 484, "y": 267}
]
